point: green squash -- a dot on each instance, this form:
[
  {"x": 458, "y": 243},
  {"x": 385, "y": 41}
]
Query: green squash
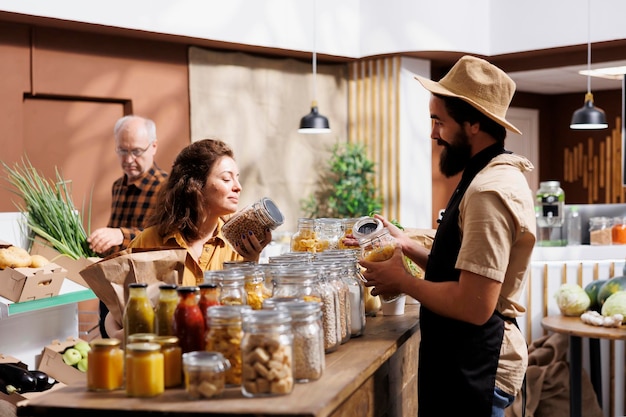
[
  {"x": 610, "y": 287},
  {"x": 592, "y": 290}
]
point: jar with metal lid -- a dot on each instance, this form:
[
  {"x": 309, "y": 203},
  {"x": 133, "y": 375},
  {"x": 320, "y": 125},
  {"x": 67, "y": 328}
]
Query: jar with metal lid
[
  {"x": 366, "y": 226},
  {"x": 308, "y": 339},
  {"x": 354, "y": 280},
  {"x": 331, "y": 316},
  {"x": 254, "y": 286},
  {"x": 377, "y": 247},
  {"x": 346, "y": 230},
  {"x": 141, "y": 338},
  {"x": 329, "y": 230},
  {"x": 306, "y": 238},
  {"x": 255, "y": 218},
  {"x": 138, "y": 316},
  {"x": 550, "y": 199},
  {"x": 204, "y": 374},
  {"x": 600, "y": 231},
  {"x": 164, "y": 310},
  {"x": 144, "y": 370},
  {"x": 189, "y": 323},
  {"x": 172, "y": 360},
  {"x": 333, "y": 273},
  {"x": 618, "y": 231},
  {"x": 232, "y": 287},
  {"x": 296, "y": 282},
  {"x": 267, "y": 353},
  {"x": 106, "y": 365},
  {"x": 224, "y": 336}
]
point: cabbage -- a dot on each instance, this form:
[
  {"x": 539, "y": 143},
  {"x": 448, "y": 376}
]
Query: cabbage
[
  {"x": 615, "y": 304},
  {"x": 572, "y": 299}
]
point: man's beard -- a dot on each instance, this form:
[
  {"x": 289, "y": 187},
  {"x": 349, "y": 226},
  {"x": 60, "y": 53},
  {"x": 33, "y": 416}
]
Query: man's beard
[{"x": 455, "y": 155}]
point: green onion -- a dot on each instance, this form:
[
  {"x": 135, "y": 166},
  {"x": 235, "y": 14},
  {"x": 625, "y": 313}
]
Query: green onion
[{"x": 49, "y": 210}]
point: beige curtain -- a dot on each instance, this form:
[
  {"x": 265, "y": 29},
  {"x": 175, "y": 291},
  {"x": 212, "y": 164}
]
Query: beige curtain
[{"x": 255, "y": 104}]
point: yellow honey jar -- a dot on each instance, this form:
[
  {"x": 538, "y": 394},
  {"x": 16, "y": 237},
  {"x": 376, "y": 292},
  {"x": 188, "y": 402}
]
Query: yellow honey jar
[
  {"x": 106, "y": 365},
  {"x": 145, "y": 375}
]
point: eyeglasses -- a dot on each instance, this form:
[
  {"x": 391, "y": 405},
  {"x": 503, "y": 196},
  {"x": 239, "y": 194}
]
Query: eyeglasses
[{"x": 136, "y": 153}]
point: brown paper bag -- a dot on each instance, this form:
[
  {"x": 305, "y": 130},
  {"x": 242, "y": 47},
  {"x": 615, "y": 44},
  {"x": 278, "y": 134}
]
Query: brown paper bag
[{"x": 109, "y": 278}]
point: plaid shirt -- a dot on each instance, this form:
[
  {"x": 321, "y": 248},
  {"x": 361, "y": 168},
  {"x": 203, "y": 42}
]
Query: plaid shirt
[{"x": 132, "y": 204}]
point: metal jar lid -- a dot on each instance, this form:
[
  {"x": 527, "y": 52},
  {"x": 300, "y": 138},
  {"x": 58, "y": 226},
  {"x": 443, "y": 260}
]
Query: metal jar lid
[{"x": 366, "y": 226}]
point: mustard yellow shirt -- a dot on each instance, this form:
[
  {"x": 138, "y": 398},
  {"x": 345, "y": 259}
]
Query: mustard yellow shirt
[{"x": 215, "y": 252}]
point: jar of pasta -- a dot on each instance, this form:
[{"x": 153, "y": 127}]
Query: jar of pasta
[
  {"x": 224, "y": 336},
  {"x": 256, "y": 218},
  {"x": 600, "y": 231},
  {"x": 267, "y": 353},
  {"x": 232, "y": 287},
  {"x": 329, "y": 231},
  {"x": 144, "y": 370},
  {"x": 106, "y": 365},
  {"x": 306, "y": 238},
  {"x": 377, "y": 247}
]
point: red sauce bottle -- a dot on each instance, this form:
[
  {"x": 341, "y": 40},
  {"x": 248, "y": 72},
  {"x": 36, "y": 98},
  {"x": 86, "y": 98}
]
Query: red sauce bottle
[
  {"x": 209, "y": 297},
  {"x": 189, "y": 321}
]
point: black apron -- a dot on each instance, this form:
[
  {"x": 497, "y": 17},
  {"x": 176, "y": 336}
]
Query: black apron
[{"x": 457, "y": 360}]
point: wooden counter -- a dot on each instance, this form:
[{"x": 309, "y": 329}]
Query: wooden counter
[{"x": 370, "y": 376}]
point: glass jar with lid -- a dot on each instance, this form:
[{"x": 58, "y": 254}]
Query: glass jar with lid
[
  {"x": 204, "y": 374},
  {"x": 600, "y": 231},
  {"x": 232, "y": 287},
  {"x": 377, "y": 247},
  {"x": 329, "y": 230},
  {"x": 225, "y": 335},
  {"x": 333, "y": 272},
  {"x": 331, "y": 313},
  {"x": 144, "y": 370},
  {"x": 138, "y": 316},
  {"x": 306, "y": 238},
  {"x": 346, "y": 230},
  {"x": 267, "y": 353},
  {"x": 164, "y": 310},
  {"x": 550, "y": 200},
  {"x": 296, "y": 282},
  {"x": 172, "y": 360},
  {"x": 256, "y": 218},
  {"x": 106, "y": 365},
  {"x": 618, "y": 231}
]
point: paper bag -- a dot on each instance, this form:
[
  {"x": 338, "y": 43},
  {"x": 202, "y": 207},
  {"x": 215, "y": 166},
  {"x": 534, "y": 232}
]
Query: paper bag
[{"x": 109, "y": 278}]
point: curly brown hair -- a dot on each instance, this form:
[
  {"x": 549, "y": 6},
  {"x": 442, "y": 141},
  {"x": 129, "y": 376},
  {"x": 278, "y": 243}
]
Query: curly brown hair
[{"x": 181, "y": 203}]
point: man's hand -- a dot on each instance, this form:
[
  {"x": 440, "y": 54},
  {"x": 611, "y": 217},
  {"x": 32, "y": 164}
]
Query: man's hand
[{"x": 104, "y": 238}]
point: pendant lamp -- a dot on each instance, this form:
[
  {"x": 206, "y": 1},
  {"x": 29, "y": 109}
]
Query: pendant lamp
[
  {"x": 314, "y": 122},
  {"x": 589, "y": 116}
]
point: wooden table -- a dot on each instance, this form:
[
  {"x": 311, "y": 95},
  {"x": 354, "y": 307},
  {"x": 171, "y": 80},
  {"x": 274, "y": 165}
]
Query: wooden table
[
  {"x": 576, "y": 329},
  {"x": 368, "y": 376}
]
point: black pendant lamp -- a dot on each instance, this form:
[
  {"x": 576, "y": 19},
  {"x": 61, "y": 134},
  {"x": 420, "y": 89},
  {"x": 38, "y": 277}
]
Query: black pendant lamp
[
  {"x": 589, "y": 116},
  {"x": 314, "y": 122}
]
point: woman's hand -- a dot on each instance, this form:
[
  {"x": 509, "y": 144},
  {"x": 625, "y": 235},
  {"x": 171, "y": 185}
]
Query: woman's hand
[{"x": 250, "y": 247}]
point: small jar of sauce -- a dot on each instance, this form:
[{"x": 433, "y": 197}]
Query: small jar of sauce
[
  {"x": 164, "y": 310},
  {"x": 144, "y": 370},
  {"x": 172, "y": 360},
  {"x": 106, "y": 365},
  {"x": 189, "y": 323}
]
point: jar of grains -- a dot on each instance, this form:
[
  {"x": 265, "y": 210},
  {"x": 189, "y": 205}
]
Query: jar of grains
[
  {"x": 255, "y": 218},
  {"x": 600, "y": 231},
  {"x": 267, "y": 353}
]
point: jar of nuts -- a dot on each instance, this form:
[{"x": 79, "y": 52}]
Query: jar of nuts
[
  {"x": 255, "y": 218},
  {"x": 267, "y": 353}
]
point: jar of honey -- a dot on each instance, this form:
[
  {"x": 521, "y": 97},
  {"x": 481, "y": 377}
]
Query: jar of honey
[
  {"x": 172, "y": 360},
  {"x": 618, "y": 231},
  {"x": 144, "y": 370},
  {"x": 106, "y": 365}
]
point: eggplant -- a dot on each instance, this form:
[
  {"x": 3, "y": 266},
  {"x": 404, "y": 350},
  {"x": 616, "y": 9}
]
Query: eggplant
[
  {"x": 44, "y": 382},
  {"x": 18, "y": 377}
]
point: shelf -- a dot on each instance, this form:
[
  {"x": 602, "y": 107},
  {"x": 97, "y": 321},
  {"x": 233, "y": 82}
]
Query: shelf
[{"x": 70, "y": 292}]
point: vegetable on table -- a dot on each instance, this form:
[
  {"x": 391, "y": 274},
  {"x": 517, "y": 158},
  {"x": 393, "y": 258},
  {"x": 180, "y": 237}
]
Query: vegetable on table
[{"x": 572, "y": 299}]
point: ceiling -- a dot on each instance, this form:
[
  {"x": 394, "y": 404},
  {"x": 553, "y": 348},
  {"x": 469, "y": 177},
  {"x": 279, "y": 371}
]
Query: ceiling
[{"x": 562, "y": 80}]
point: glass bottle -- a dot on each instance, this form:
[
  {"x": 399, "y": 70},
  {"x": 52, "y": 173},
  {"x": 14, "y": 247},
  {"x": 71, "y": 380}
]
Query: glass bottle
[
  {"x": 618, "y": 231},
  {"x": 306, "y": 238},
  {"x": 204, "y": 374},
  {"x": 164, "y": 310},
  {"x": 172, "y": 360},
  {"x": 600, "y": 231},
  {"x": 188, "y": 320},
  {"x": 106, "y": 365},
  {"x": 144, "y": 370},
  {"x": 267, "y": 353},
  {"x": 573, "y": 227},
  {"x": 224, "y": 336},
  {"x": 232, "y": 287},
  {"x": 209, "y": 297},
  {"x": 308, "y": 339},
  {"x": 255, "y": 218},
  {"x": 138, "y": 314},
  {"x": 377, "y": 247}
]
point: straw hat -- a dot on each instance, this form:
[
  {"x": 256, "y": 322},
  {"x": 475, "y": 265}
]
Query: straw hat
[{"x": 479, "y": 83}]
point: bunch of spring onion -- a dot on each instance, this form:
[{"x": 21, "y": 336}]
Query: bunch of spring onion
[{"x": 48, "y": 209}]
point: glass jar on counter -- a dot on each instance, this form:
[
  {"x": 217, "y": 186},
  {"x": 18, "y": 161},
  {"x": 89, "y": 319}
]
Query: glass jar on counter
[
  {"x": 333, "y": 271},
  {"x": 164, "y": 310},
  {"x": 224, "y": 336},
  {"x": 618, "y": 231},
  {"x": 550, "y": 199},
  {"x": 255, "y": 218},
  {"x": 138, "y": 316},
  {"x": 204, "y": 374},
  {"x": 296, "y": 282},
  {"x": 232, "y": 287},
  {"x": 600, "y": 231},
  {"x": 308, "y": 339},
  {"x": 329, "y": 230},
  {"x": 144, "y": 370},
  {"x": 346, "y": 229},
  {"x": 255, "y": 286},
  {"x": 306, "y": 238},
  {"x": 377, "y": 247},
  {"x": 172, "y": 360},
  {"x": 106, "y": 365},
  {"x": 189, "y": 323},
  {"x": 267, "y": 353}
]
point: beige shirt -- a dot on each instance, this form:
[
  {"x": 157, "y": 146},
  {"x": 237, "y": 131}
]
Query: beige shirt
[{"x": 498, "y": 239}]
